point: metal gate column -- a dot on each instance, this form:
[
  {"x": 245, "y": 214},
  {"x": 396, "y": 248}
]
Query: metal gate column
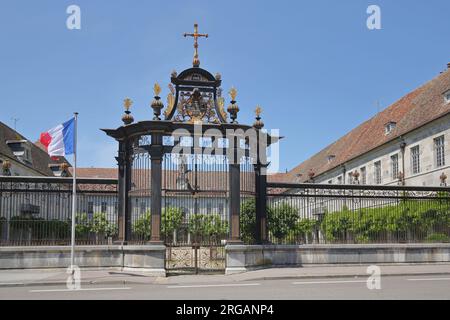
[
  {"x": 235, "y": 194},
  {"x": 124, "y": 185},
  {"x": 156, "y": 154},
  {"x": 261, "y": 204},
  {"x": 260, "y": 167}
]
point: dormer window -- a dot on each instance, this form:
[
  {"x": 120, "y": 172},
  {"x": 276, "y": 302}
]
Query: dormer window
[
  {"x": 388, "y": 127},
  {"x": 447, "y": 97},
  {"x": 21, "y": 149},
  {"x": 331, "y": 157}
]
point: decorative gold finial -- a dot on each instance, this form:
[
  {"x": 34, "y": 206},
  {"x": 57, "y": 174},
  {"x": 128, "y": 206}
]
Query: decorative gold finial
[
  {"x": 196, "y": 35},
  {"x": 156, "y": 89},
  {"x": 258, "y": 122},
  {"x": 258, "y": 111},
  {"x": 233, "y": 108},
  {"x": 157, "y": 105},
  {"x": 233, "y": 93},
  {"x": 127, "y": 118},
  {"x": 127, "y": 103}
]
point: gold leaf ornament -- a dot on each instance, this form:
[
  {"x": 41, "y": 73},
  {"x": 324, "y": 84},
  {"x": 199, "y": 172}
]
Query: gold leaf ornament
[
  {"x": 233, "y": 93},
  {"x": 221, "y": 105},
  {"x": 258, "y": 111},
  {"x": 170, "y": 104},
  {"x": 127, "y": 104},
  {"x": 221, "y": 102},
  {"x": 157, "y": 89}
]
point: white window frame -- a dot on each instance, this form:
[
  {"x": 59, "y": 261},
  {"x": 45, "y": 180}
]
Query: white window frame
[
  {"x": 389, "y": 127},
  {"x": 377, "y": 173},
  {"x": 394, "y": 166},
  {"x": 350, "y": 177},
  {"x": 439, "y": 151},
  {"x": 447, "y": 96},
  {"x": 415, "y": 159},
  {"x": 363, "y": 171}
]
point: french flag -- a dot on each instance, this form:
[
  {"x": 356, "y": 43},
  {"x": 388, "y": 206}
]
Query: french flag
[{"x": 60, "y": 141}]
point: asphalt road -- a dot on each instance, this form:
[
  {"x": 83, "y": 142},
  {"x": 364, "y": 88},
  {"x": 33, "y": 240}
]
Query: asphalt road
[{"x": 392, "y": 287}]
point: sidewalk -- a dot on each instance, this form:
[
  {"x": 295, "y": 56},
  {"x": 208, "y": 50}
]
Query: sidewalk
[{"x": 12, "y": 278}]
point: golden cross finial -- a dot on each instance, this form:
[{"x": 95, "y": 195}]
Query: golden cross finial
[
  {"x": 127, "y": 103},
  {"x": 233, "y": 93},
  {"x": 258, "y": 111},
  {"x": 196, "y": 35},
  {"x": 156, "y": 89}
]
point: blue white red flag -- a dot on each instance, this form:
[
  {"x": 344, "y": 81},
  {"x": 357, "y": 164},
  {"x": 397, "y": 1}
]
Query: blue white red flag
[{"x": 60, "y": 140}]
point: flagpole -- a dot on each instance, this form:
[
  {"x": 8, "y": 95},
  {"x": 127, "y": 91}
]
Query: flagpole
[{"x": 74, "y": 194}]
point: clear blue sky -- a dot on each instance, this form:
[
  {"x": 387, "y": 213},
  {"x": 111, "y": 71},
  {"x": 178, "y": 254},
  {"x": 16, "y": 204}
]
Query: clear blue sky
[{"x": 313, "y": 66}]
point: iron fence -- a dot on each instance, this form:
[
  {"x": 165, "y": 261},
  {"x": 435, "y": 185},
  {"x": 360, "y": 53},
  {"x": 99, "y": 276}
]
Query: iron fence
[
  {"x": 312, "y": 213},
  {"x": 38, "y": 210}
]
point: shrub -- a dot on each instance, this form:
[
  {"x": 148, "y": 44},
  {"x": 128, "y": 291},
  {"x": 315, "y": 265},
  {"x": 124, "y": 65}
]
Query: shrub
[
  {"x": 370, "y": 224},
  {"x": 56, "y": 229},
  {"x": 248, "y": 221},
  {"x": 83, "y": 225},
  {"x": 215, "y": 227},
  {"x": 282, "y": 220},
  {"x": 335, "y": 225},
  {"x": 437, "y": 237},
  {"x": 306, "y": 226},
  {"x": 171, "y": 220},
  {"x": 142, "y": 226},
  {"x": 102, "y": 226},
  {"x": 37, "y": 228},
  {"x": 209, "y": 226}
]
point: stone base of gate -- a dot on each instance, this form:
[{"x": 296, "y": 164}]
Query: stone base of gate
[
  {"x": 241, "y": 258},
  {"x": 149, "y": 258}
]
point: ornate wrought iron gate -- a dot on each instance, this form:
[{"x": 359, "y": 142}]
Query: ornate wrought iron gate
[
  {"x": 189, "y": 200},
  {"x": 195, "y": 215},
  {"x": 195, "y": 211}
]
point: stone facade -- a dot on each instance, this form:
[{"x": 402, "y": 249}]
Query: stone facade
[{"x": 429, "y": 172}]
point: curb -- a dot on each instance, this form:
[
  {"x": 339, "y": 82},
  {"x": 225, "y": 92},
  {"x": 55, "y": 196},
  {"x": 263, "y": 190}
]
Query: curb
[
  {"x": 361, "y": 275},
  {"x": 154, "y": 280},
  {"x": 58, "y": 283}
]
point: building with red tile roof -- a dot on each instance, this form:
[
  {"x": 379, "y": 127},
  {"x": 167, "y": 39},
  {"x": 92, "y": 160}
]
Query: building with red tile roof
[{"x": 407, "y": 143}]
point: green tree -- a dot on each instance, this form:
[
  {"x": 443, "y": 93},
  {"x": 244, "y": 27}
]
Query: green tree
[
  {"x": 215, "y": 227},
  {"x": 142, "y": 226},
  {"x": 205, "y": 227},
  {"x": 305, "y": 228},
  {"x": 171, "y": 220},
  {"x": 282, "y": 220},
  {"x": 248, "y": 221},
  {"x": 82, "y": 225},
  {"x": 102, "y": 227}
]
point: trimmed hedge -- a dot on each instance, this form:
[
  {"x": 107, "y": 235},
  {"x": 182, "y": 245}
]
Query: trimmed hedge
[
  {"x": 39, "y": 229},
  {"x": 407, "y": 220}
]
